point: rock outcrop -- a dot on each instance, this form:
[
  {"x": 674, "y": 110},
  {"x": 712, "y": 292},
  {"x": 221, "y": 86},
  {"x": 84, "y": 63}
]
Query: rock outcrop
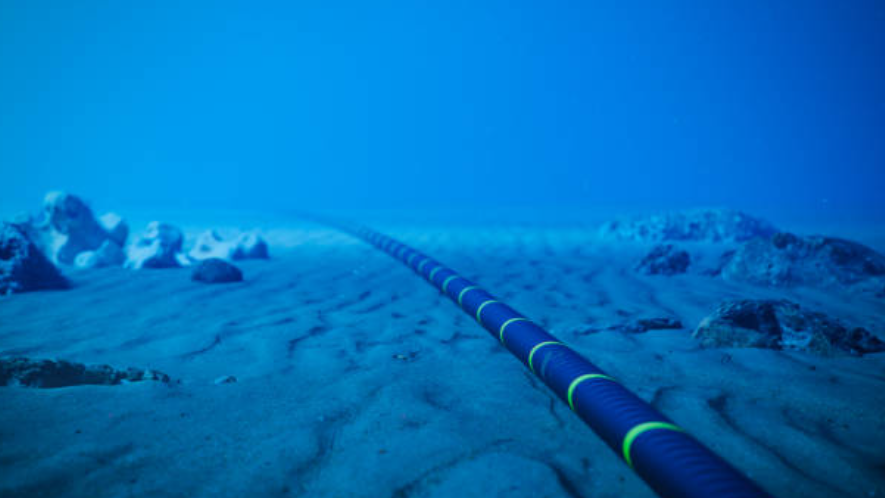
[
  {"x": 788, "y": 260},
  {"x": 51, "y": 374},
  {"x": 158, "y": 247},
  {"x": 782, "y": 325},
  {"x": 22, "y": 266},
  {"x": 707, "y": 225},
  {"x": 216, "y": 271},
  {"x": 247, "y": 246},
  {"x": 664, "y": 259}
]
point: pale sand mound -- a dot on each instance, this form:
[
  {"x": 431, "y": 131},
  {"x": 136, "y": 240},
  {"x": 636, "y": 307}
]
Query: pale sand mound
[{"x": 356, "y": 378}]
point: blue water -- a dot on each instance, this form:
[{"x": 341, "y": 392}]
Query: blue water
[{"x": 399, "y": 105}]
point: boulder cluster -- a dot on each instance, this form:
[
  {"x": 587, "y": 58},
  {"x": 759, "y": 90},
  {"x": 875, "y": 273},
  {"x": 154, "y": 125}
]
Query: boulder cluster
[{"x": 67, "y": 233}]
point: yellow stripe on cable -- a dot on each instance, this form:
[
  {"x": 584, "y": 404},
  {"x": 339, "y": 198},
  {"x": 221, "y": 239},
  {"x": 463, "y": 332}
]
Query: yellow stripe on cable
[
  {"x": 421, "y": 265},
  {"x": 433, "y": 272},
  {"x": 508, "y": 322},
  {"x": 446, "y": 282},
  {"x": 575, "y": 383},
  {"x": 536, "y": 348},
  {"x": 479, "y": 310},
  {"x": 640, "y": 429},
  {"x": 464, "y": 291}
]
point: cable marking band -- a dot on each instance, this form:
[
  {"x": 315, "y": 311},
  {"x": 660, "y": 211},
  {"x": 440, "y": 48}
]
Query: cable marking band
[
  {"x": 536, "y": 348},
  {"x": 479, "y": 310},
  {"x": 433, "y": 272},
  {"x": 421, "y": 265},
  {"x": 464, "y": 291},
  {"x": 508, "y": 322},
  {"x": 446, "y": 282},
  {"x": 640, "y": 429},
  {"x": 575, "y": 383}
]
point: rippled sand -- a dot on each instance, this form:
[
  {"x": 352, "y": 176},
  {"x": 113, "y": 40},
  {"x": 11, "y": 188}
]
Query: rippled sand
[{"x": 356, "y": 378}]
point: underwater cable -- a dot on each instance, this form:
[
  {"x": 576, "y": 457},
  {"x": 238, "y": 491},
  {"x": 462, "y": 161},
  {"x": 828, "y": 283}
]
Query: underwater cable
[{"x": 674, "y": 464}]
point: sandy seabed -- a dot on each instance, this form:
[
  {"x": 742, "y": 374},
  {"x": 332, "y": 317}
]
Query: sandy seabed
[{"x": 357, "y": 379}]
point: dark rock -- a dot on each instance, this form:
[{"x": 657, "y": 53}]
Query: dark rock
[
  {"x": 22, "y": 266},
  {"x": 781, "y": 324},
  {"x": 639, "y": 326},
  {"x": 214, "y": 271},
  {"x": 158, "y": 247},
  {"x": 709, "y": 225},
  {"x": 49, "y": 374},
  {"x": 788, "y": 260},
  {"x": 664, "y": 260},
  {"x": 646, "y": 324}
]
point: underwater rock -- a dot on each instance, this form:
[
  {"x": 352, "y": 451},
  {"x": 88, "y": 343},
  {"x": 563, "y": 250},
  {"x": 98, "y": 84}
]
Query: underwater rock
[
  {"x": 639, "y": 326},
  {"x": 250, "y": 246},
  {"x": 22, "y": 266},
  {"x": 226, "y": 379},
  {"x": 788, "y": 260},
  {"x": 210, "y": 245},
  {"x": 664, "y": 259},
  {"x": 782, "y": 325},
  {"x": 247, "y": 246},
  {"x": 69, "y": 227},
  {"x": 50, "y": 374},
  {"x": 158, "y": 247},
  {"x": 108, "y": 254},
  {"x": 708, "y": 225},
  {"x": 216, "y": 271}
]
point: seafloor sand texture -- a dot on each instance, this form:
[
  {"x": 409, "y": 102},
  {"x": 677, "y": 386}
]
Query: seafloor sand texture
[{"x": 356, "y": 378}]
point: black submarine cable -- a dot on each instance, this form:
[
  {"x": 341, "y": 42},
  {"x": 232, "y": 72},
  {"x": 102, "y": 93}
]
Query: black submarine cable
[{"x": 665, "y": 456}]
